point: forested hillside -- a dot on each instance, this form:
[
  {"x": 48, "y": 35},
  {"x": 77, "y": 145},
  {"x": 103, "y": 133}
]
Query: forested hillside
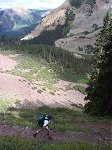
[
  {"x": 99, "y": 91},
  {"x": 77, "y": 3}
]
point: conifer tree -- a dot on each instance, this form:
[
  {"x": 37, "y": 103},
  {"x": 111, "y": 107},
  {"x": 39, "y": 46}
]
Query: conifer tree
[{"x": 99, "y": 91}]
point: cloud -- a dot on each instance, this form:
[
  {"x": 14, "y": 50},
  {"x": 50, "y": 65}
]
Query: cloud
[{"x": 36, "y": 4}]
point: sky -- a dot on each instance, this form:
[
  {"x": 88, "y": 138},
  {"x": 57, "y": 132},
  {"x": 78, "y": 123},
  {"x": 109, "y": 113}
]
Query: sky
[{"x": 32, "y": 4}]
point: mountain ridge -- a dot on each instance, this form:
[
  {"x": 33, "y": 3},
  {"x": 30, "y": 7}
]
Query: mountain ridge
[
  {"x": 51, "y": 20},
  {"x": 18, "y": 17},
  {"x": 84, "y": 28}
]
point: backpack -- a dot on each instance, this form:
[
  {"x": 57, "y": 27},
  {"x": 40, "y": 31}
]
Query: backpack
[{"x": 41, "y": 119}]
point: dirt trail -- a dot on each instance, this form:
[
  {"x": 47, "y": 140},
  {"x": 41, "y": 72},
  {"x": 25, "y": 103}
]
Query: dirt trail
[{"x": 91, "y": 137}]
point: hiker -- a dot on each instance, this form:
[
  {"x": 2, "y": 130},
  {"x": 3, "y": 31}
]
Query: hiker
[{"x": 43, "y": 122}]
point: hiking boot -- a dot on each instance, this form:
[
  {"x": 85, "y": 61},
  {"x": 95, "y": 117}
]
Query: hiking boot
[{"x": 34, "y": 135}]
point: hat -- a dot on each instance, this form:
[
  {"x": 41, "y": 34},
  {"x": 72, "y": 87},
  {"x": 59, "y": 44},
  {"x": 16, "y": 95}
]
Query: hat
[{"x": 49, "y": 117}]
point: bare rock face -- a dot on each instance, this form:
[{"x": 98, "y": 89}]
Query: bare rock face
[{"x": 84, "y": 29}]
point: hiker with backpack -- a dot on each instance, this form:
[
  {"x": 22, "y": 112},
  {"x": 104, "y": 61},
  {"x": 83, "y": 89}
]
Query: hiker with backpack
[{"x": 43, "y": 121}]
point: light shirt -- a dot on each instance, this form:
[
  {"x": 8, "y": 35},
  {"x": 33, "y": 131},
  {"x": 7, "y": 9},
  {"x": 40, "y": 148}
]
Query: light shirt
[{"x": 46, "y": 122}]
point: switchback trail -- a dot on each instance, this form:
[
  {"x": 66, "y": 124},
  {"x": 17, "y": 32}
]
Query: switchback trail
[{"x": 25, "y": 132}]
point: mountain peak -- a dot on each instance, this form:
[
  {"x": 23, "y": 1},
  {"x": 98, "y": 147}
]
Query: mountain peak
[{"x": 19, "y": 10}]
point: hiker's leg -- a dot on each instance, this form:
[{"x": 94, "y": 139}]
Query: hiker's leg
[
  {"x": 49, "y": 133},
  {"x": 39, "y": 130},
  {"x": 35, "y": 134}
]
